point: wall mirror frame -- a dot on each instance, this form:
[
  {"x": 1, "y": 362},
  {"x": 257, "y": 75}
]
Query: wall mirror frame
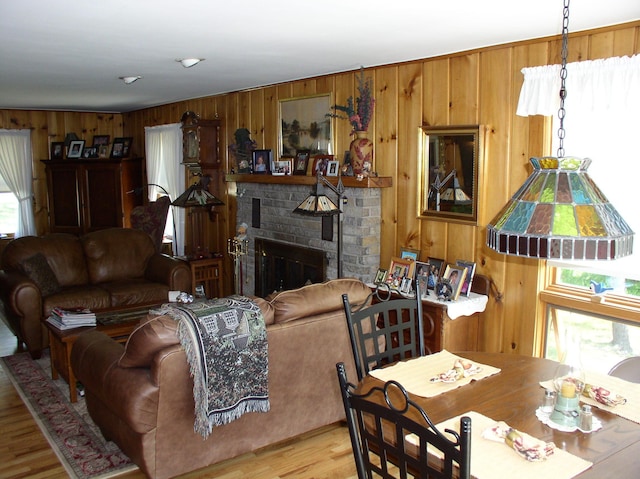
[{"x": 450, "y": 159}]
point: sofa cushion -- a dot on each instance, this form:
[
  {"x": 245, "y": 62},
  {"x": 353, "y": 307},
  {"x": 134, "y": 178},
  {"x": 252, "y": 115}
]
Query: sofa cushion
[
  {"x": 115, "y": 254},
  {"x": 136, "y": 291},
  {"x": 38, "y": 270},
  {"x": 150, "y": 336},
  {"x": 317, "y": 298}
]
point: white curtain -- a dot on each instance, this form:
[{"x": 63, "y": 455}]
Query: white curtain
[
  {"x": 163, "y": 146},
  {"x": 16, "y": 162},
  {"x": 602, "y": 107}
]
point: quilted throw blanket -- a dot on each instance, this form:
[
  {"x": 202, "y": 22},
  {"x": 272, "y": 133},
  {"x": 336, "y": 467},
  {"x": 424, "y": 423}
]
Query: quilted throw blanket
[{"x": 226, "y": 344}]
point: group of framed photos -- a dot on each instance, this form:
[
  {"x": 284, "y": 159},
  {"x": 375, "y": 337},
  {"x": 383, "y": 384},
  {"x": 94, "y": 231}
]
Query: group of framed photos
[
  {"x": 302, "y": 164},
  {"x": 406, "y": 268},
  {"x": 101, "y": 148}
]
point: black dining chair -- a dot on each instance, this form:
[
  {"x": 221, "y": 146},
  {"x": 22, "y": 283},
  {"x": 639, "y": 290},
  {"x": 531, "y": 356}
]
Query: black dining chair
[
  {"x": 393, "y": 437},
  {"x": 387, "y": 331}
]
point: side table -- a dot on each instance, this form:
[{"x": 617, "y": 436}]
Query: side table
[
  {"x": 117, "y": 324},
  {"x": 208, "y": 272}
]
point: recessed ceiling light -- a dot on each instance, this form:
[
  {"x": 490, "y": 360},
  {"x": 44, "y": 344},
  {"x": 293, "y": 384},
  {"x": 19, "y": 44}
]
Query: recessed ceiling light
[
  {"x": 189, "y": 62},
  {"x": 130, "y": 80}
]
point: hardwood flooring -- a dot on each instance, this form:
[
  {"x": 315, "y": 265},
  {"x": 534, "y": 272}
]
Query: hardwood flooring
[{"x": 25, "y": 452}]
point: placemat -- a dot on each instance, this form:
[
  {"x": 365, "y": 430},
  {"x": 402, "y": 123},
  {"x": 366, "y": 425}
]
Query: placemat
[
  {"x": 496, "y": 460},
  {"x": 629, "y": 390},
  {"x": 415, "y": 374}
]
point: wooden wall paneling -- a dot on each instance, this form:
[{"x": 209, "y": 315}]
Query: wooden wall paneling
[
  {"x": 435, "y": 97},
  {"x": 272, "y": 120},
  {"x": 464, "y": 90},
  {"x": 344, "y": 88},
  {"x": 257, "y": 120},
  {"x": 407, "y": 182},
  {"x": 385, "y": 150}
]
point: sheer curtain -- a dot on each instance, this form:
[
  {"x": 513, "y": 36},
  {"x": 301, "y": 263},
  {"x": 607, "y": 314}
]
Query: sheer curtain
[
  {"x": 602, "y": 107},
  {"x": 16, "y": 170},
  {"x": 163, "y": 146}
]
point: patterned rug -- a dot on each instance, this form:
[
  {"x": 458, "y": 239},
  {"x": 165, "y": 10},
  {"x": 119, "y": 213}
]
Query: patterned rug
[{"x": 73, "y": 436}]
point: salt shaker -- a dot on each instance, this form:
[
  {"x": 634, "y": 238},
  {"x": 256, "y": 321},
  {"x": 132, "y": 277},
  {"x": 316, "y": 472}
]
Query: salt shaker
[
  {"x": 586, "y": 418},
  {"x": 549, "y": 401}
]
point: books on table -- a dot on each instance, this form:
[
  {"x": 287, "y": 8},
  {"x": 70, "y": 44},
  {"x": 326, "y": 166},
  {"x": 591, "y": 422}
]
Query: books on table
[{"x": 71, "y": 318}]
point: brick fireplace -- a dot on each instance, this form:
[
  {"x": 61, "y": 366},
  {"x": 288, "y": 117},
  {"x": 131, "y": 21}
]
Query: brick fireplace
[{"x": 267, "y": 209}]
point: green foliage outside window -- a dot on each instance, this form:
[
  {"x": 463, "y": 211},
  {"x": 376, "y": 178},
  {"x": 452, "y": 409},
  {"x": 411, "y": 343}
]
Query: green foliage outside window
[{"x": 584, "y": 278}]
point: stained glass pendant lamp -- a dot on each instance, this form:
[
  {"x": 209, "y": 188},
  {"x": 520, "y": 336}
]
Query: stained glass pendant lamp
[{"x": 559, "y": 212}]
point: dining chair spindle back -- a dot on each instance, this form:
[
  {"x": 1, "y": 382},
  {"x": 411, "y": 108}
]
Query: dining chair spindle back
[
  {"x": 393, "y": 437},
  {"x": 385, "y": 332}
]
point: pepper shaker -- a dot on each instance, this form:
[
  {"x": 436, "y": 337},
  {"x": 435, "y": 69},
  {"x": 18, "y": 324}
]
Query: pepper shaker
[
  {"x": 549, "y": 401},
  {"x": 586, "y": 418}
]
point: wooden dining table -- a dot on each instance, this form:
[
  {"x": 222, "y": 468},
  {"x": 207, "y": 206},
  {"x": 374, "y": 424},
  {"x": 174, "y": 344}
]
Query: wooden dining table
[{"x": 514, "y": 394}]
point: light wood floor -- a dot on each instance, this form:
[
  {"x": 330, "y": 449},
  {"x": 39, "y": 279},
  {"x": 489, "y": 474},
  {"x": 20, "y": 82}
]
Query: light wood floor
[{"x": 24, "y": 451}]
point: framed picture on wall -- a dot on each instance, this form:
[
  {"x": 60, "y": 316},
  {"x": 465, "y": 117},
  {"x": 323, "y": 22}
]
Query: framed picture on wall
[{"x": 304, "y": 124}]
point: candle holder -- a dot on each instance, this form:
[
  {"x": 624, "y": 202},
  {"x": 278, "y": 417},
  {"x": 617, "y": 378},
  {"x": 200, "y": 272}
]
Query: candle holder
[
  {"x": 237, "y": 248},
  {"x": 568, "y": 381}
]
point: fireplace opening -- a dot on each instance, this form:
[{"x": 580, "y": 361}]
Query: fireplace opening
[{"x": 282, "y": 266}]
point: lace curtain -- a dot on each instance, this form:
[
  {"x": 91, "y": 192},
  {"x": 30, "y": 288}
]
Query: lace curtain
[
  {"x": 16, "y": 169},
  {"x": 602, "y": 107},
  {"x": 163, "y": 146}
]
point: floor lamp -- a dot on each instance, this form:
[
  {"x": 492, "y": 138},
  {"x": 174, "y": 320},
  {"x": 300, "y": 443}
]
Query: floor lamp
[{"x": 319, "y": 204}]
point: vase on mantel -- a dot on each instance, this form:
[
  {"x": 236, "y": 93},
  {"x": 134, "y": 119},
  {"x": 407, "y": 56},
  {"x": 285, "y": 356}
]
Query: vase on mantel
[{"x": 361, "y": 151}]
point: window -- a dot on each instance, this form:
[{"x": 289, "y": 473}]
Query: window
[{"x": 8, "y": 210}]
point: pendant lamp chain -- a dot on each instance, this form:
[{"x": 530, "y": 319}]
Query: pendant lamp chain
[{"x": 563, "y": 76}]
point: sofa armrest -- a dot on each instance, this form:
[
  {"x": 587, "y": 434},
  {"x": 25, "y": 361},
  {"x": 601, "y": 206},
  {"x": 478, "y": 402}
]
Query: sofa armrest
[
  {"x": 170, "y": 271},
  {"x": 20, "y": 294}
]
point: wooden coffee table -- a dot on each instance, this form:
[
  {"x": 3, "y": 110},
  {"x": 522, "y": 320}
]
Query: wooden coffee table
[{"x": 115, "y": 323}]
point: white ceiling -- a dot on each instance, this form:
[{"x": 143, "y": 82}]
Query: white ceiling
[{"x": 68, "y": 54}]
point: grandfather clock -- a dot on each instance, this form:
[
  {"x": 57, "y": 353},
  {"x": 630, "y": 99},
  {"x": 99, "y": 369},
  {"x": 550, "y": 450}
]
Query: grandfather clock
[{"x": 202, "y": 157}]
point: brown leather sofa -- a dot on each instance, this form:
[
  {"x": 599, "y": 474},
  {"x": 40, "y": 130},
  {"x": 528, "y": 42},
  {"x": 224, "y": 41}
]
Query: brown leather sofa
[
  {"x": 141, "y": 394},
  {"x": 108, "y": 268}
]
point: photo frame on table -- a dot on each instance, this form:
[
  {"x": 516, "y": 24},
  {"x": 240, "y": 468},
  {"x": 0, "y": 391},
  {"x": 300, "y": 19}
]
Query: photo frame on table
[
  {"x": 304, "y": 124},
  {"x": 423, "y": 276},
  {"x": 282, "y": 167},
  {"x": 75, "y": 149},
  {"x": 57, "y": 150},
  {"x": 408, "y": 253},
  {"x": 405, "y": 285},
  {"x": 99, "y": 140},
  {"x": 117, "y": 150},
  {"x": 90, "y": 152},
  {"x": 301, "y": 162},
  {"x": 437, "y": 264},
  {"x": 398, "y": 269},
  {"x": 381, "y": 276},
  {"x": 262, "y": 160},
  {"x": 471, "y": 271},
  {"x": 333, "y": 168},
  {"x": 456, "y": 276},
  {"x": 103, "y": 151}
]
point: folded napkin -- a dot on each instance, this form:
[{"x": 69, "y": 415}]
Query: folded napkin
[
  {"x": 603, "y": 396},
  {"x": 415, "y": 374},
  {"x": 530, "y": 448},
  {"x": 492, "y": 460},
  {"x": 462, "y": 368}
]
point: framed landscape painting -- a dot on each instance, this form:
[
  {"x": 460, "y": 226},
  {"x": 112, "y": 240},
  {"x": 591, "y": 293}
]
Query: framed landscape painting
[{"x": 304, "y": 125}]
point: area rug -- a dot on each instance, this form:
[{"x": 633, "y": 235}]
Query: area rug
[{"x": 73, "y": 436}]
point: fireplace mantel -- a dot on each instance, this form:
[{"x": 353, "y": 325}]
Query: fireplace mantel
[{"x": 347, "y": 181}]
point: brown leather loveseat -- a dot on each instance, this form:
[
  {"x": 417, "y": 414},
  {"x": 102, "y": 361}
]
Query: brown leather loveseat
[
  {"x": 108, "y": 268},
  {"x": 141, "y": 394}
]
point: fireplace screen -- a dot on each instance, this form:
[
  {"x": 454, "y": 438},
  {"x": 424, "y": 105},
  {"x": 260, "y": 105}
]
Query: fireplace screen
[{"x": 282, "y": 266}]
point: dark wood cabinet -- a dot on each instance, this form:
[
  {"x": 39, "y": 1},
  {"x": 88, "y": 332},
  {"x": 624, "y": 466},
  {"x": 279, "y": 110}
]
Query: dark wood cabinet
[{"x": 88, "y": 195}]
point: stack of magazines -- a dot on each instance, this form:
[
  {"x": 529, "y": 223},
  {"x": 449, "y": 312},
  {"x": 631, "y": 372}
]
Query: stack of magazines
[{"x": 72, "y": 318}]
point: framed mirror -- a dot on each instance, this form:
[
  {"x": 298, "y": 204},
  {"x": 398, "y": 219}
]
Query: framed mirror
[{"x": 450, "y": 159}]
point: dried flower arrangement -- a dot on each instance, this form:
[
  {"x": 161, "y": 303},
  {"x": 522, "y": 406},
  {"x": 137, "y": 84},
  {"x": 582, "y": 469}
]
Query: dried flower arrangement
[{"x": 359, "y": 113}]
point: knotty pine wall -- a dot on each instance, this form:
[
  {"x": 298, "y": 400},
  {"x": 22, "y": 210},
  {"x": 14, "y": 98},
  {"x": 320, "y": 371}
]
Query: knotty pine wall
[{"x": 476, "y": 87}]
